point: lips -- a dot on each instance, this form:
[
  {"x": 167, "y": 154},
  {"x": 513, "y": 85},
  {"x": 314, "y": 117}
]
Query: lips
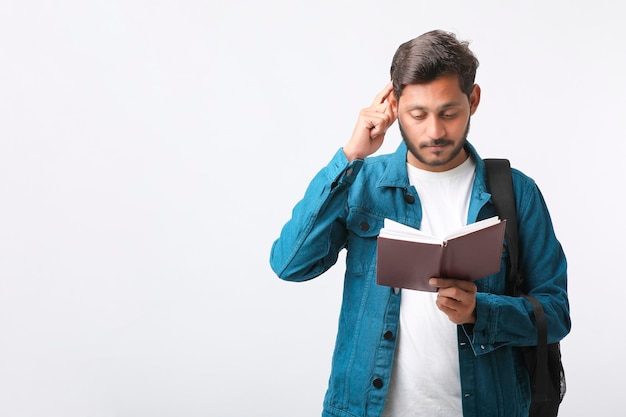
[{"x": 436, "y": 147}]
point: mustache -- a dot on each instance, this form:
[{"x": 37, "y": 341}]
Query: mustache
[{"x": 437, "y": 142}]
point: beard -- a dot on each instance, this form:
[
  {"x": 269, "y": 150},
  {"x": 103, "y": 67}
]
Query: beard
[{"x": 415, "y": 148}]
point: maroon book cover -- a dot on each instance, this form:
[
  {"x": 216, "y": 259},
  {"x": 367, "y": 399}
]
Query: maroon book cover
[{"x": 405, "y": 263}]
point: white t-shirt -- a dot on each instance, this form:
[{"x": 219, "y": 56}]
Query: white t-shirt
[{"x": 425, "y": 376}]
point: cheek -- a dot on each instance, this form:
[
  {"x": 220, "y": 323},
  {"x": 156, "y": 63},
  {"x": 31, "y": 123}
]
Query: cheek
[{"x": 457, "y": 127}]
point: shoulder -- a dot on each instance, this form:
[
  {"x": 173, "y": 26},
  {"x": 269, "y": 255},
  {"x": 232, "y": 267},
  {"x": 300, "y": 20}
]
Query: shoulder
[
  {"x": 377, "y": 161},
  {"x": 527, "y": 193},
  {"x": 385, "y": 169},
  {"x": 521, "y": 179}
]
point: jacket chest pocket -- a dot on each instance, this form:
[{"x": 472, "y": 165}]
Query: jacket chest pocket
[{"x": 363, "y": 230}]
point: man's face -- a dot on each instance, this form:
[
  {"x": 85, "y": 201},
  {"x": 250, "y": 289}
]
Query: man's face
[{"x": 434, "y": 122}]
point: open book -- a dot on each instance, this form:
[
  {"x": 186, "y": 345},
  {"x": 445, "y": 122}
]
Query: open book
[{"x": 408, "y": 258}]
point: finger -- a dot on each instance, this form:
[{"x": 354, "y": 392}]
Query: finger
[
  {"x": 440, "y": 282},
  {"x": 461, "y": 305},
  {"x": 449, "y": 296},
  {"x": 377, "y": 116},
  {"x": 456, "y": 295},
  {"x": 382, "y": 96},
  {"x": 386, "y": 110},
  {"x": 450, "y": 307},
  {"x": 374, "y": 119},
  {"x": 381, "y": 108},
  {"x": 390, "y": 112},
  {"x": 445, "y": 302},
  {"x": 380, "y": 128},
  {"x": 465, "y": 285},
  {"x": 458, "y": 311}
]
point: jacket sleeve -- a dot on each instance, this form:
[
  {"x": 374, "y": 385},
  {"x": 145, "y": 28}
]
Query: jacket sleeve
[
  {"x": 310, "y": 242},
  {"x": 504, "y": 320}
]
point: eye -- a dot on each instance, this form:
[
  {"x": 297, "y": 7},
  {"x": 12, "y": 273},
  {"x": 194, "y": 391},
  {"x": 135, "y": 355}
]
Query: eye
[
  {"x": 418, "y": 116},
  {"x": 450, "y": 115}
]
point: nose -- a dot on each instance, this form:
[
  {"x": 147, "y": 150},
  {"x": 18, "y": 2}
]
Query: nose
[{"x": 435, "y": 129}]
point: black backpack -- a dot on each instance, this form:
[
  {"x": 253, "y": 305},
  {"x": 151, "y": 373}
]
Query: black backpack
[{"x": 544, "y": 360}]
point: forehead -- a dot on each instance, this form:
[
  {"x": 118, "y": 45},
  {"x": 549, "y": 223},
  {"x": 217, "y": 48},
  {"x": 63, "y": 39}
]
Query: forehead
[{"x": 443, "y": 91}]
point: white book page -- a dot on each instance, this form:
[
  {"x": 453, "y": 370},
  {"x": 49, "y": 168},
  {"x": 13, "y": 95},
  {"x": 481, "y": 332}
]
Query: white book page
[
  {"x": 394, "y": 230},
  {"x": 474, "y": 227}
]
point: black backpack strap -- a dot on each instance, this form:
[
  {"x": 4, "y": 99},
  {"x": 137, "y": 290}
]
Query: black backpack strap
[
  {"x": 500, "y": 185},
  {"x": 542, "y": 376}
]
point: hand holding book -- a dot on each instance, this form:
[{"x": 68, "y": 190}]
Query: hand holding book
[{"x": 408, "y": 258}]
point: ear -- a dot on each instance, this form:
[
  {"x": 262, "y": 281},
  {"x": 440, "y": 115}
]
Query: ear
[{"x": 474, "y": 98}]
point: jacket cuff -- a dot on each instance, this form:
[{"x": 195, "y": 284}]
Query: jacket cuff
[
  {"x": 482, "y": 334},
  {"x": 342, "y": 172}
]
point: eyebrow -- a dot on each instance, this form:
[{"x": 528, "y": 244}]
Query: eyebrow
[{"x": 441, "y": 108}]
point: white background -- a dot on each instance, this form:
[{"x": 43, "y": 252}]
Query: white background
[{"x": 150, "y": 152}]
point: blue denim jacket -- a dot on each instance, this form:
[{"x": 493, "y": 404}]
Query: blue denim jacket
[{"x": 344, "y": 207}]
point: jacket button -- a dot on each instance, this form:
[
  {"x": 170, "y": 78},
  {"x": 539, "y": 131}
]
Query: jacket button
[
  {"x": 409, "y": 198},
  {"x": 377, "y": 383},
  {"x": 388, "y": 335},
  {"x": 364, "y": 226}
]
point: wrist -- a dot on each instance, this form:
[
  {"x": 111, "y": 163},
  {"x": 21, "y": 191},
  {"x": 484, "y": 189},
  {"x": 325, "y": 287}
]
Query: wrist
[{"x": 350, "y": 154}]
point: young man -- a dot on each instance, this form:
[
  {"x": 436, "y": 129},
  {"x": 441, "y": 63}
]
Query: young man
[{"x": 412, "y": 353}]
